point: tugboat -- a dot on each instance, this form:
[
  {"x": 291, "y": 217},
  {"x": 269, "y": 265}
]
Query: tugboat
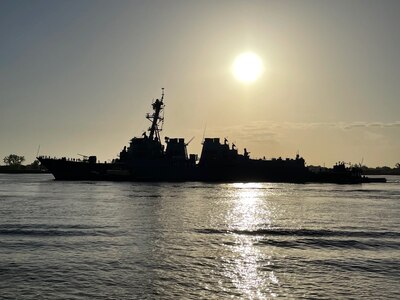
[
  {"x": 342, "y": 174},
  {"x": 147, "y": 159}
]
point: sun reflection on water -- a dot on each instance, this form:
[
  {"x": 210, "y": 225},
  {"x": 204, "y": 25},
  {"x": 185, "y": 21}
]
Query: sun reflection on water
[
  {"x": 249, "y": 211},
  {"x": 251, "y": 270}
]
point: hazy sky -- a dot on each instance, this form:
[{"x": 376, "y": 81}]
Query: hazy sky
[{"x": 79, "y": 76}]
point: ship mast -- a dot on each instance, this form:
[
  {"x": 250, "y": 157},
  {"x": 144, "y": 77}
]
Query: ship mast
[{"x": 156, "y": 118}]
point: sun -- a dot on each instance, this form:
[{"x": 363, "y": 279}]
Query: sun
[{"x": 247, "y": 67}]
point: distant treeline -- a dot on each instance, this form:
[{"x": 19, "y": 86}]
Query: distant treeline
[
  {"x": 9, "y": 170},
  {"x": 14, "y": 165},
  {"x": 380, "y": 171},
  {"x": 22, "y": 169},
  {"x": 367, "y": 170}
]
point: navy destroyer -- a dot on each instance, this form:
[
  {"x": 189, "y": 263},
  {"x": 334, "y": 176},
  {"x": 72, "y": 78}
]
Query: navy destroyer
[{"x": 148, "y": 159}]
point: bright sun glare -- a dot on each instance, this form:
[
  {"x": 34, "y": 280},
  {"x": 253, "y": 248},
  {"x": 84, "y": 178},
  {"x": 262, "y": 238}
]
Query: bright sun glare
[{"x": 247, "y": 67}]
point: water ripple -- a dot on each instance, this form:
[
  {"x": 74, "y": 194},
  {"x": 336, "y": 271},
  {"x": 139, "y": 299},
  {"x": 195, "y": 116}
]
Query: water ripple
[
  {"x": 332, "y": 243},
  {"x": 303, "y": 232},
  {"x": 54, "y": 230}
]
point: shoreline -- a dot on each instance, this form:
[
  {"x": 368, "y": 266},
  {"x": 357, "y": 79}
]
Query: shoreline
[{"x": 16, "y": 171}]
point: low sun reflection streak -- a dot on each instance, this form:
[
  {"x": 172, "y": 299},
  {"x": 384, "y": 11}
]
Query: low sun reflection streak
[
  {"x": 247, "y": 271},
  {"x": 248, "y": 212}
]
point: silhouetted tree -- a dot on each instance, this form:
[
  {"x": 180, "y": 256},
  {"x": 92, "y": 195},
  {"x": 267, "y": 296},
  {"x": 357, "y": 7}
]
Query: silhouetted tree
[
  {"x": 398, "y": 165},
  {"x": 13, "y": 160},
  {"x": 35, "y": 165}
]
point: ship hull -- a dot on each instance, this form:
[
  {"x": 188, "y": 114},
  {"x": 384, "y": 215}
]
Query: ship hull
[{"x": 167, "y": 171}]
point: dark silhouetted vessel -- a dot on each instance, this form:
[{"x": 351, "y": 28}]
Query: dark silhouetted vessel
[{"x": 146, "y": 159}]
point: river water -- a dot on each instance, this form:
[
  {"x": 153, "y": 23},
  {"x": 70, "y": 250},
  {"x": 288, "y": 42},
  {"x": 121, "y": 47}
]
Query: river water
[{"x": 107, "y": 240}]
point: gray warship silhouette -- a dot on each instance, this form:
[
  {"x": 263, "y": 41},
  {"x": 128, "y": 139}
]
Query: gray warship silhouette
[{"x": 147, "y": 159}]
